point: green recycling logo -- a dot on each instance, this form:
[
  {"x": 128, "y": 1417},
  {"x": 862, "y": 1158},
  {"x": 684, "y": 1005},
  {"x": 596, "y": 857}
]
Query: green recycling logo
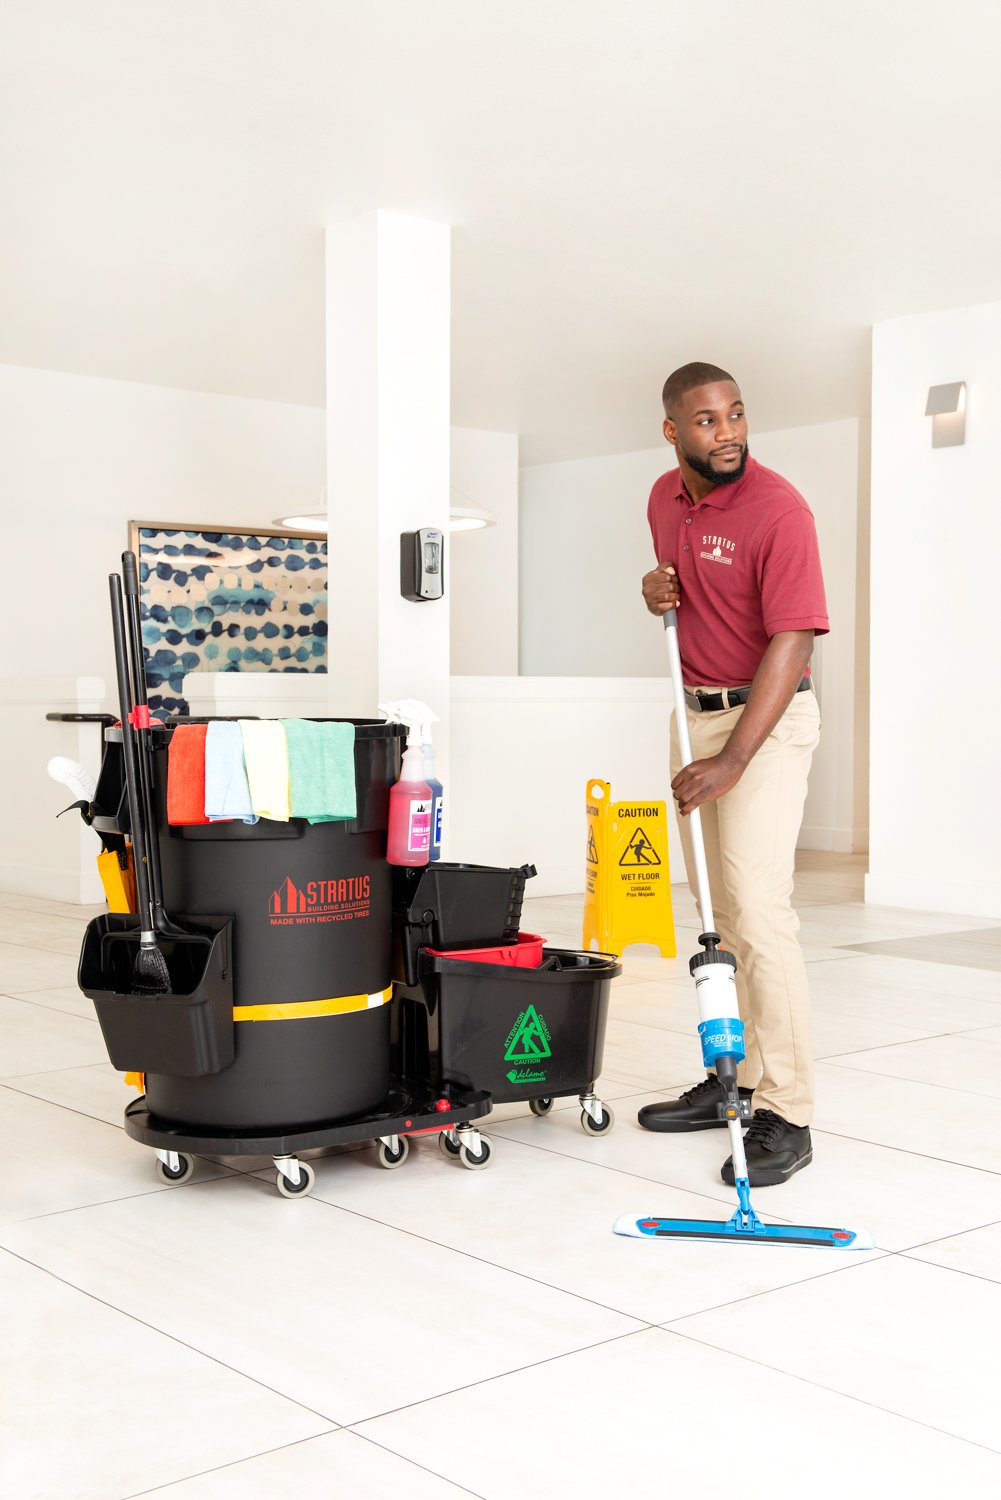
[{"x": 527, "y": 1043}]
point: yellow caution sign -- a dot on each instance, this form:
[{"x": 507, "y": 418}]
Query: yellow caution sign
[{"x": 627, "y": 891}]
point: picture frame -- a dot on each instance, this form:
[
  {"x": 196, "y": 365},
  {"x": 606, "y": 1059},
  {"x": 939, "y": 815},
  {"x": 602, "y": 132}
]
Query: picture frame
[{"x": 227, "y": 599}]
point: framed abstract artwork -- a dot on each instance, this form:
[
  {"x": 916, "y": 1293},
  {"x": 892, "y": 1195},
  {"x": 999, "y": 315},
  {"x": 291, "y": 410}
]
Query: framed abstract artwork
[{"x": 221, "y": 599}]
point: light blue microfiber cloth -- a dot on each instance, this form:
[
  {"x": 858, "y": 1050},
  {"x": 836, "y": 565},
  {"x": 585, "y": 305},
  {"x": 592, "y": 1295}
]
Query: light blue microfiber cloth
[
  {"x": 321, "y": 761},
  {"x": 227, "y": 791}
]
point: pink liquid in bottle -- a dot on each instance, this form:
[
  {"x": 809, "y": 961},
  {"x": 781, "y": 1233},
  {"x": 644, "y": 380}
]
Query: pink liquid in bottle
[{"x": 411, "y": 802}]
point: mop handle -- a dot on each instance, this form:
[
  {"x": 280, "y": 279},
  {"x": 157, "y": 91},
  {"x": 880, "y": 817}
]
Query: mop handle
[
  {"x": 130, "y": 755},
  {"x": 685, "y": 742}
]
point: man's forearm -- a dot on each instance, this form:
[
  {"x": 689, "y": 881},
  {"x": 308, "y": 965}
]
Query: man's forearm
[{"x": 776, "y": 680}]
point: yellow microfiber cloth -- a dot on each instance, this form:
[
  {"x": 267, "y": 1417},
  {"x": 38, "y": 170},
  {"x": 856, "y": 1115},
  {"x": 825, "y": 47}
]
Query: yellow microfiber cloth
[
  {"x": 321, "y": 758},
  {"x": 266, "y": 754}
]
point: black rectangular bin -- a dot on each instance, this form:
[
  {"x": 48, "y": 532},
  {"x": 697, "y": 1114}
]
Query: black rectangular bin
[
  {"x": 189, "y": 1032},
  {"x": 446, "y": 905},
  {"x": 518, "y": 1033}
]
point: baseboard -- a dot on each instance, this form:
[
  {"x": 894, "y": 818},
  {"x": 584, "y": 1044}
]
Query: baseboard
[
  {"x": 80, "y": 889},
  {"x": 961, "y": 898},
  {"x": 832, "y": 840}
]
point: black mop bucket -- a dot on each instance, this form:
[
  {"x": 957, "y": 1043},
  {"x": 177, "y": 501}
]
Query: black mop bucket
[
  {"x": 518, "y": 1033},
  {"x": 312, "y": 964}
]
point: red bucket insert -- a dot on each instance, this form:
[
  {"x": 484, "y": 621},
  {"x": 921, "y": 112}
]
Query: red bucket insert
[{"x": 526, "y": 953}]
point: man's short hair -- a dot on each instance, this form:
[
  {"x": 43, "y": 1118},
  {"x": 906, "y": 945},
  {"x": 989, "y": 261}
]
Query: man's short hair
[{"x": 688, "y": 378}]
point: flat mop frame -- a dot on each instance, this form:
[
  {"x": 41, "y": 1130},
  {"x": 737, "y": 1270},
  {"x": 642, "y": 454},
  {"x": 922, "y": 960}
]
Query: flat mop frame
[{"x": 723, "y": 1047}]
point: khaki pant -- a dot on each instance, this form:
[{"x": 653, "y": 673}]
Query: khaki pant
[{"x": 750, "y": 837}]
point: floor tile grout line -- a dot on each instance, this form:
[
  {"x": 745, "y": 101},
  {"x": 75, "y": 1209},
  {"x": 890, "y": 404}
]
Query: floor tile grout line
[
  {"x": 82, "y": 1208},
  {"x": 70, "y": 1068},
  {"x": 286, "y": 1447},
  {"x": 385, "y": 1448},
  {"x": 172, "y": 1337},
  {"x": 550, "y": 1359},
  {"x": 939, "y": 1266},
  {"x": 930, "y": 1036},
  {"x": 923, "y": 1083},
  {"x": 479, "y": 1260},
  {"x": 955, "y": 1235},
  {"x": 23, "y": 999},
  {"x": 232, "y": 1464},
  {"x": 862, "y": 1140},
  {"x": 834, "y": 1391}
]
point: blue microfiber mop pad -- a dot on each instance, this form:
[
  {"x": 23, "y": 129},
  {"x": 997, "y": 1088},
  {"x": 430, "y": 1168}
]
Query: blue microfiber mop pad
[
  {"x": 321, "y": 759},
  {"x": 227, "y": 791}
]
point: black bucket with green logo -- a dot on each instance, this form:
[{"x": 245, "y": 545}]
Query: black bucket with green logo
[{"x": 518, "y": 1033}]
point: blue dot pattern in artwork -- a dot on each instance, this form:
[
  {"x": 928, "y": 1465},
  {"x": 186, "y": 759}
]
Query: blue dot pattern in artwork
[{"x": 212, "y": 601}]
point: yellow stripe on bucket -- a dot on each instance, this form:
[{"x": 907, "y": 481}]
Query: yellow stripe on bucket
[{"x": 296, "y": 1010}]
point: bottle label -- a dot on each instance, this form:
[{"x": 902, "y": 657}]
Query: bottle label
[
  {"x": 437, "y": 822},
  {"x": 419, "y": 826}
]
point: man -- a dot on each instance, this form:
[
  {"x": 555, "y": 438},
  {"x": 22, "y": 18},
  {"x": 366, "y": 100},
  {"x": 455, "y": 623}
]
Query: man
[{"x": 737, "y": 555}]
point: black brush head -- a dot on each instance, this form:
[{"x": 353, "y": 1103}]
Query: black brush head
[{"x": 150, "y": 975}]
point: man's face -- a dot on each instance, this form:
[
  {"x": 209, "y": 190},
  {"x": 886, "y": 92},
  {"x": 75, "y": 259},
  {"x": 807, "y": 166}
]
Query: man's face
[{"x": 708, "y": 429}]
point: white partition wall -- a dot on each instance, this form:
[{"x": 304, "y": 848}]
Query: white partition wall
[
  {"x": 523, "y": 750},
  {"x": 936, "y": 625}
]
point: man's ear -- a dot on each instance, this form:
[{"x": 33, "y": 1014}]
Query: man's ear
[{"x": 670, "y": 431}]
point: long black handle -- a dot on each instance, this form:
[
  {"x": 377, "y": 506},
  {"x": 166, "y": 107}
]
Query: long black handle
[
  {"x": 130, "y": 572},
  {"x": 131, "y": 753}
]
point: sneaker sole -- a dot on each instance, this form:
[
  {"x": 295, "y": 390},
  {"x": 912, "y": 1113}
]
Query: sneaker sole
[
  {"x": 771, "y": 1178},
  {"x": 671, "y": 1127}
]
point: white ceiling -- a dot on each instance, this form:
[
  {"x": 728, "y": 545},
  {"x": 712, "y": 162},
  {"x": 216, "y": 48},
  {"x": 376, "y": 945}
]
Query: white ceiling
[{"x": 632, "y": 185}]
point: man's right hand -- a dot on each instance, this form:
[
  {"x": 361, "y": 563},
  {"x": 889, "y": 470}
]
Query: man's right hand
[{"x": 661, "y": 590}]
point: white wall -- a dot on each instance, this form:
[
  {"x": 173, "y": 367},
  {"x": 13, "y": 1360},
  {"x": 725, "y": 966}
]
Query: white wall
[
  {"x": 483, "y": 572},
  {"x": 935, "y": 832},
  {"x": 79, "y": 457},
  {"x": 524, "y": 749},
  {"x": 585, "y": 546}
]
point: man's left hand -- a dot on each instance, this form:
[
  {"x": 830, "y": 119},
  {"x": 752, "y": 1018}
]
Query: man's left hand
[{"x": 704, "y": 781}]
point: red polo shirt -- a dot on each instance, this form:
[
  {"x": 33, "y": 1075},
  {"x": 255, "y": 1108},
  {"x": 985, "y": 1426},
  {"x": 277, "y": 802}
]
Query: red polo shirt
[{"x": 748, "y": 564}]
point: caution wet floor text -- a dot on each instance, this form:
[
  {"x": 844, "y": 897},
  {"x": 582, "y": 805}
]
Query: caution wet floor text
[{"x": 627, "y": 874}]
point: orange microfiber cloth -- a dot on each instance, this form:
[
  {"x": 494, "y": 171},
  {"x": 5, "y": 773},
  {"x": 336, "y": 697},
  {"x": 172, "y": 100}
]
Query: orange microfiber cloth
[{"x": 186, "y": 774}]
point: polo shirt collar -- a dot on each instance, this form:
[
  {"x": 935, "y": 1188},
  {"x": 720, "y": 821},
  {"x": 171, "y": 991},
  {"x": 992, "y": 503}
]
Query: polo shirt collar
[{"x": 723, "y": 496}]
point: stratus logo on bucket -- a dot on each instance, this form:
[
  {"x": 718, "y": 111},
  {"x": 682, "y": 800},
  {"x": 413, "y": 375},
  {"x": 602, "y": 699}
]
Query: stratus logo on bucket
[{"x": 320, "y": 901}]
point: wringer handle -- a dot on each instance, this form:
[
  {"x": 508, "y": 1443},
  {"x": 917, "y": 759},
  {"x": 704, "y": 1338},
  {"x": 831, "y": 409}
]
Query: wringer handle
[{"x": 685, "y": 743}]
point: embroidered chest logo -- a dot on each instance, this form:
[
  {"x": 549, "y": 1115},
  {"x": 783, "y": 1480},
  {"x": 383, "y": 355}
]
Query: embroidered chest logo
[{"x": 718, "y": 549}]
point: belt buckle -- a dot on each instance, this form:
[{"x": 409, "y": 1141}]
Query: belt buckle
[{"x": 698, "y": 695}]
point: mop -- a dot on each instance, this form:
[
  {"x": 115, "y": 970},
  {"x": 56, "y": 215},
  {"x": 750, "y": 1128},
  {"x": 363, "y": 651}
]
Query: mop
[{"x": 722, "y": 1035}]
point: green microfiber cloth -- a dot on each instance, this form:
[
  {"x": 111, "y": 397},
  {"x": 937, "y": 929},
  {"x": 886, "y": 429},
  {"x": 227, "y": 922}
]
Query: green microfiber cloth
[{"x": 321, "y": 761}]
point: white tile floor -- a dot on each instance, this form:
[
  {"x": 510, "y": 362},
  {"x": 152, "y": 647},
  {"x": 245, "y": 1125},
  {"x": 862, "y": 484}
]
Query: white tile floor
[{"x": 434, "y": 1332}]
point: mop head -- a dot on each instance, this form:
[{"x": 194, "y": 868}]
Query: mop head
[
  {"x": 741, "y": 1229},
  {"x": 150, "y": 975}
]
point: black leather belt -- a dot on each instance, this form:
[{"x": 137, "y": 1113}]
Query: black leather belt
[{"x": 711, "y": 703}]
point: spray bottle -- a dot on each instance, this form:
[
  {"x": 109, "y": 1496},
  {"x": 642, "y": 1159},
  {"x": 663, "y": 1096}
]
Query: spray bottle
[
  {"x": 411, "y": 800},
  {"x": 426, "y": 718}
]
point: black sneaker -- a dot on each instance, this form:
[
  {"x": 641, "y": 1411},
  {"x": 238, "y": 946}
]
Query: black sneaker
[
  {"x": 774, "y": 1148},
  {"x": 695, "y": 1110}
]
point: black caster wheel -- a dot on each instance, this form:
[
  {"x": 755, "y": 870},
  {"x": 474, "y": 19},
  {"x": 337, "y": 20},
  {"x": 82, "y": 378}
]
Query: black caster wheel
[
  {"x": 185, "y": 1168},
  {"x": 599, "y": 1126},
  {"x": 300, "y": 1189},
  {"x": 540, "y": 1107},
  {"x": 389, "y": 1158},
  {"x": 446, "y": 1145},
  {"x": 475, "y": 1160}
]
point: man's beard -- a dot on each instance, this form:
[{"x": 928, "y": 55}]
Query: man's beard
[{"x": 716, "y": 476}]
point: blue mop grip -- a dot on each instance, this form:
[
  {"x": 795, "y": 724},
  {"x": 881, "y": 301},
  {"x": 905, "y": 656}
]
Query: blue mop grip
[{"x": 723, "y": 1038}]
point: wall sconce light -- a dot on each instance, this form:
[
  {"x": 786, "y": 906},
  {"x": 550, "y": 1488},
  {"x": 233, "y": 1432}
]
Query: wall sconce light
[{"x": 947, "y": 409}]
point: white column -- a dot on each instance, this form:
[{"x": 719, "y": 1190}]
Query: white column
[{"x": 388, "y": 309}]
